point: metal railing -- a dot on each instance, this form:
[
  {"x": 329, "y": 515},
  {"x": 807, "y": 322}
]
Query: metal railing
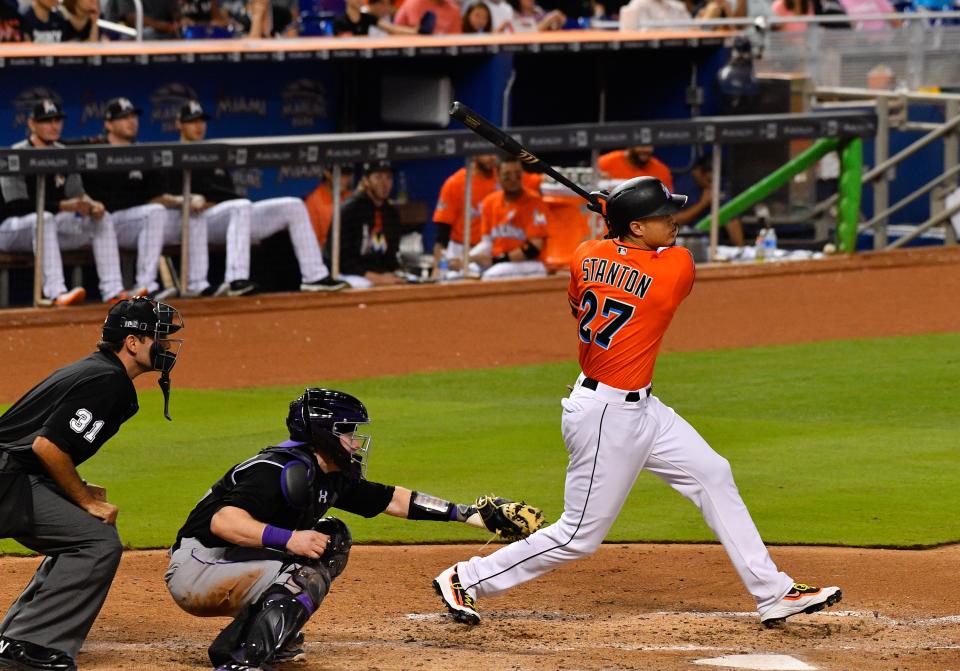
[
  {"x": 891, "y": 108},
  {"x": 136, "y": 32}
]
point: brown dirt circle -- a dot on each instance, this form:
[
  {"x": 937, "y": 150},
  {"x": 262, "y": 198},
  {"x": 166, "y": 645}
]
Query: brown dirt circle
[{"x": 629, "y": 606}]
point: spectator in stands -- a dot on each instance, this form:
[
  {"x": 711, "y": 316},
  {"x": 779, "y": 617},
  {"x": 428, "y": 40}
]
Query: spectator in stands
[
  {"x": 320, "y": 201},
  {"x": 710, "y": 9},
  {"x": 501, "y": 14},
  {"x": 128, "y": 197},
  {"x": 446, "y": 15},
  {"x": 636, "y": 161},
  {"x": 224, "y": 217},
  {"x": 161, "y": 18},
  {"x": 656, "y": 10},
  {"x": 73, "y": 220},
  {"x": 699, "y": 194},
  {"x": 529, "y": 17},
  {"x": 43, "y": 23},
  {"x": 514, "y": 228},
  {"x": 477, "y": 18},
  {"x": 355, "y": 21},
  {"x": 370, "y": 234},
  {"x": 11, "y": 26},
  {"x": 384, "y": 9},
  {"x": 204, "y": 13},
  {"x": 82, "y": 16},
  {"x": 785, "y": 8},
  {"x": 449, "y": 214}
]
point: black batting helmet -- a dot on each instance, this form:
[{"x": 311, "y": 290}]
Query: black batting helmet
[
  {"x": 638, "y": 198},
  {"x": 322, "y": 418}
]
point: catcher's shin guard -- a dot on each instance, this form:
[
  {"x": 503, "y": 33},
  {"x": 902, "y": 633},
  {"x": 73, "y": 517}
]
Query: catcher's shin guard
[{"x": 264, "y": 627}]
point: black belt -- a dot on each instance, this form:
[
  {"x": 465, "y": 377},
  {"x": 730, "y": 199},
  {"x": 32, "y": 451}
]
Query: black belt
[{"x": 632, "y": 396}]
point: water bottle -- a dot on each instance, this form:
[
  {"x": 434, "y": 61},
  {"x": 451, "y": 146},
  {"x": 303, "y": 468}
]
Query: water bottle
[
  {"x": 770, "y": 244},
  {"x": 443, "y": 269},
  {"x": 759, "y": 247}
]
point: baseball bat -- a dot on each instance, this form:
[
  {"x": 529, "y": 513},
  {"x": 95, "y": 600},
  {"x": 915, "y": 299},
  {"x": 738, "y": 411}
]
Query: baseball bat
[{"x": 499, "y": 138}]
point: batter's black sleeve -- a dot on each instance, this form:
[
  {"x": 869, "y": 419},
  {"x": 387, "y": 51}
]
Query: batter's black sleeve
[
  {"x": 89, "y": 415},
  {"x": 365, "y": 498}
]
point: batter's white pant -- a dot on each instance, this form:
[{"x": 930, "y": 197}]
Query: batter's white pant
[
  {"x": 224, "y": 223},
  {"x": 509, "y": 269},
  {"x": 142, "y": 228},
  {"x": 609, "y": 442},
  {"x": 66, "y": 231},
  {"x": 276, "y": 214}
]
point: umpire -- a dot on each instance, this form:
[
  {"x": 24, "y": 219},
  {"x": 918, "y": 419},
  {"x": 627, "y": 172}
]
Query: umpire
[{"x": 55, "y": 427}]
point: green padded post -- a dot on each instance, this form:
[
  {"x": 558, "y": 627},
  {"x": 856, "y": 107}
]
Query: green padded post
[
  {"x": 849, "y": 190},
  {"x": 744, "y": 201}
]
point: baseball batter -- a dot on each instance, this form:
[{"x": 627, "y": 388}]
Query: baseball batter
[
  {"x": 258, "y": 548},
  {"x": 623, "y": 293}
]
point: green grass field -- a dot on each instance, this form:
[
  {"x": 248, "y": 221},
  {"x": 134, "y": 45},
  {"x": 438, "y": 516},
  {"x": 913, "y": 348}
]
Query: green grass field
[{"x": 845, "y": 442}]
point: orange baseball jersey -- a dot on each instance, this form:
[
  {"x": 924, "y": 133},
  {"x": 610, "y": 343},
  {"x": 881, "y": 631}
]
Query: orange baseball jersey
[
  {"x": 624, "y": 298},
  {"x": 319, "y": 204},
  {"x": 509, "y": 224},
  {"x": 616, "y": 165},
  {"x": 449, "y": 208},
  {"x": 532, "y": 180}
]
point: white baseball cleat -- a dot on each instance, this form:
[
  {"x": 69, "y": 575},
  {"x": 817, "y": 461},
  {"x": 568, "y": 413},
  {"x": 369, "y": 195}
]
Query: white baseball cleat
[
  {"x": 800, "y": 599},
  {"x": 461, "y": 605}
]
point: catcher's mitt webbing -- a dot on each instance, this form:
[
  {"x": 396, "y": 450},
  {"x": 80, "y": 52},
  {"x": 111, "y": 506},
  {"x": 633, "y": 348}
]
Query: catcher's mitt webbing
[{"x": 509, "y": 520}]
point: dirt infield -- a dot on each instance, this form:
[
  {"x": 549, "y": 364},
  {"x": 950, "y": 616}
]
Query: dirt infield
[{"x": 629, "y": 606}]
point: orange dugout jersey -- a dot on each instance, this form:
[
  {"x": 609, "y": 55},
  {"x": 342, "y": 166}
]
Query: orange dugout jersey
[
  {"x": 616, "y": 165},
  {"x": 509, "y": 224},
  {"x": 624, "y": 299},
  {"x": 449, "y": 208}
]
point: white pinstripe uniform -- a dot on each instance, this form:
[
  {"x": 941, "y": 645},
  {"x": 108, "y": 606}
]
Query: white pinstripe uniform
[
  {"x": 225, "y": 223},
  {"x": 276, "y": 214},
  {"x": 142, "y": 228},
  {"x": 67, "y": 231}
]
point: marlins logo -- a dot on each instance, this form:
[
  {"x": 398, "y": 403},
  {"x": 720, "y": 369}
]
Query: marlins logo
[{"x": 27, "y": 99}]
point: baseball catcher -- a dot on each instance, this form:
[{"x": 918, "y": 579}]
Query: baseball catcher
[{"x": 261, "y": 548}]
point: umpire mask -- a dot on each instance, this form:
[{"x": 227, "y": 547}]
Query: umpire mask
[{"x": 144, "y": 317}]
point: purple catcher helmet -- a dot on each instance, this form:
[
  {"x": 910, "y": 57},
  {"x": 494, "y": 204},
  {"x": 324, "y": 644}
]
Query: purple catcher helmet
[{"x": 328, "y": 420}]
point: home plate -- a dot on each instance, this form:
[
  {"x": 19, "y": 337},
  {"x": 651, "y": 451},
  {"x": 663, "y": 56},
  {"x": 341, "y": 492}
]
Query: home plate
[{"x": 764, "y": 662}]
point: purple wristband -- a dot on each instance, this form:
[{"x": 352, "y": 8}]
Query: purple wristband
[{"x": 275, "y": 537}]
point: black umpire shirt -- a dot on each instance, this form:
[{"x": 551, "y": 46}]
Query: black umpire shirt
[
  {"x": 78, "y": 408},
  {"x": 255, "y": 486},
  {"x": 369, "y": 236}
]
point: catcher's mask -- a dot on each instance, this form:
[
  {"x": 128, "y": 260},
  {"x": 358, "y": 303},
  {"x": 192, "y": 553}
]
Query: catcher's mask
[
  {"x": 328, "y": 420},
  {"x": 636, "y": 198},
  {"x": 144, "y": 317}
]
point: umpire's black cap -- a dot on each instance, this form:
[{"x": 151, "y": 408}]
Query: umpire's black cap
[
  {"x": 192, "y": 110},
  {"x": 118, "y": 108},
  {"x": 47, "y": 110}
]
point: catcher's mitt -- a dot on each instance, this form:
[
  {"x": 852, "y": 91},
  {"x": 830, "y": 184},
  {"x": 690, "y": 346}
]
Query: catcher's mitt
[{"x": 509, "y": 520}]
